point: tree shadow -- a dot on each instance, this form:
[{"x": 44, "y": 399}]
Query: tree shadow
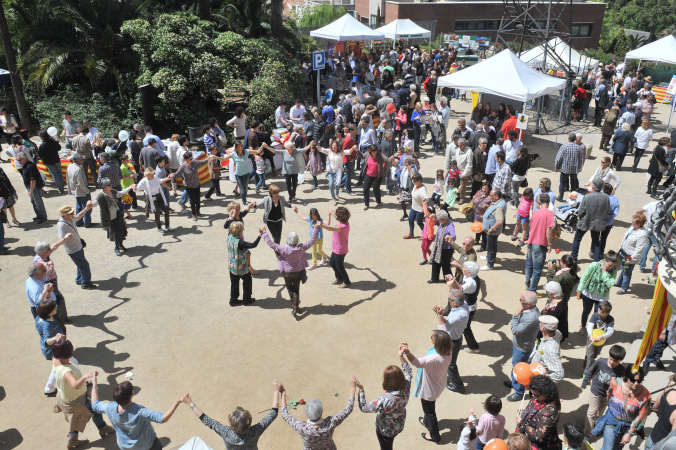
[{"x": 10, "y": 439}]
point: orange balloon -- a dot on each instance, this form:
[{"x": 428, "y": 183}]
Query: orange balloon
[
  {"x": 477, "y": 227},
  {"x": 538, "y": 369},
  {"x": 496, "y": 444},
  {"x": 522, "y": 373}
]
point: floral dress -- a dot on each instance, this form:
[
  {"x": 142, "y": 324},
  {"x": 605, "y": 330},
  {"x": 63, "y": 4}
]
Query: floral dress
[
  {"x": 480, "y": 206},
  {"x": 318, "y": 437},
  {"x": 391, "y": 407},
  {"x": 539, "y": 422}
]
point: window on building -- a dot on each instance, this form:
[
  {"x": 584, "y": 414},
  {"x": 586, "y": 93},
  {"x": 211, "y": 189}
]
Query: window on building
[
  {"x": 581, "y": 30},
  {"x": 374, "y": 20},
  {"x": 471, "y": 25}
]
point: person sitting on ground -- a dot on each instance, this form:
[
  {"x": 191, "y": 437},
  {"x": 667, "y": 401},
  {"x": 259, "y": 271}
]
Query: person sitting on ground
[{"x": 240, "y": 434}]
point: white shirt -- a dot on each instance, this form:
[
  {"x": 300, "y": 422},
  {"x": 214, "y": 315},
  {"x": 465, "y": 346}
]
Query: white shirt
[
  {"x": 643, "y": 137},
  {"x": 151, "y": 187},
  {"x": 280, "y": 113},
  {"x": 90, "y": 135},
  {"x": 511, "y": 149},
  {"x": 609, "y": 176},
  {"x": 417, "y": 196},
  {"x": 240, "y": 125},
  {"x": 172, "y": 154},
  {"x": 334, "y": 161},
  {"x": 649, "y": 210},
  {"x": 297, "y": 113}
]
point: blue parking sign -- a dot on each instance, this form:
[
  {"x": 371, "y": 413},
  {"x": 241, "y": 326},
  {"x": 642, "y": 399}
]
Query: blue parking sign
[{"x": 318, "y": 60}]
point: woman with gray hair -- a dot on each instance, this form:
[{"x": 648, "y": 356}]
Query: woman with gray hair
[
  {"x": 556, "y": 307},
  {"x": 442, "y": 251},
  {"x": 292, "y": 262},
  {"x": 43, "y": 251},
  {"x": 112, "y": 216},
  {"x": 317, "y": 433},
  {"x": 470, "y": 290}
]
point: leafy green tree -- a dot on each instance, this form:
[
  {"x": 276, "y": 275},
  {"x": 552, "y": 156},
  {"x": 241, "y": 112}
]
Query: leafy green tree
[
  {"x": 320, "y": 15},
  {"x": 649, "y": 15}
]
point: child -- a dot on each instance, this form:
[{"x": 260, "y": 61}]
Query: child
[
  {"x": 467, "y": 430},
  {"x": 438, "y": 187},
  {"x": 400, "y": 125},
  {"x": 161, "y": 173},
  {"x": 428, "y": 232},
  {"x": 315, "y": 166},
  {"x": 319, "y": 242},
  {"x": 127, "y": 180},
  {"x": 492, "y": 424},
  {"x": 523, "y": 216},
  {"x": 599, "y": 375},
  {"x": 215, "y": 174},
  {"x": 600, "y": 320},
  {"x": 451, "y": 194},
  {"x": 570, "y": 203},
  {"x": 453, "y": 172},
  {"x": 573, "y": 437},
  {"x": 236, "y": 215},
  {"x": 260, "y": 173}
]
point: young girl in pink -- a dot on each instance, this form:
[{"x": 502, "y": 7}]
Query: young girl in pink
[
  {"x": 427, "y": 232},
  {"x": 491, "y": 424},
  {"x": 400, "y": 125},
  {"x": 523, "y": 215}
]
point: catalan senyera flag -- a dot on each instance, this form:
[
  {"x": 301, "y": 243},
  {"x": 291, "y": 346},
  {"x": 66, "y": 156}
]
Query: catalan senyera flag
[{"x": 660, "y": 314}]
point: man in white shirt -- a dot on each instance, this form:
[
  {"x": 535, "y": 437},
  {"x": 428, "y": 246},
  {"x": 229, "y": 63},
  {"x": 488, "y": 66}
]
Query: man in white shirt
[
  {"x": 297, "y": 112},
  {"x": 92, "y": 130},
  {"x": 511, "y": 146},
  {"x": 281, "y": 115}
]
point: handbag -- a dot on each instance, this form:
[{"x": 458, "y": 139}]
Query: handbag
[
  {"x": 405, "y": 196},
  {"x": 524, "y": 183},
  {"x": 662, "y": 167},
  {"x": 470, "y": 216}
]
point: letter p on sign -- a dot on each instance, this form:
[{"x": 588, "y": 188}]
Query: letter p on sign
[{"x": 318, "y": 61}]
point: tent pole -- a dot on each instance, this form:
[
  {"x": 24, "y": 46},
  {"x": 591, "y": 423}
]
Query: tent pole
[{"x": 673, "y": 106}]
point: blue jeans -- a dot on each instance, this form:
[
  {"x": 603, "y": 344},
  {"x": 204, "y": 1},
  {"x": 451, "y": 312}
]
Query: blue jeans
[
  {"x": 38, "y": 204},
  {"x": 625, "y": 271},
  {"x": 435, "y": 143},
  {"x": 243, "y": 183},
  {"x": 491, "y": 249},
  {"x": 479, "y": 445},
  {"x": 649, "y": 444},
  {"x": 261, "y": 181},
  {"x": 517, "y": 357},
  {"x": 57, "y": 175},
  {"x": 347, "y": 178},
  {"x": 644, "y": 255},
  {"x": 84, "y": 274},
  {"x": 80, "y": 204},
  {"x": 334, "y": 187},
  {"x": 184, "y": 197},
  {"x": 610, "y": 440},
  {"x": 535, "y": 261},
  {"x": 413, "y": 217},
  {"x": 166, "y": 194}
]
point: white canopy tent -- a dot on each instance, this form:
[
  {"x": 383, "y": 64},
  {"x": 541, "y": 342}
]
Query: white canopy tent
[
  {"x": 504, "y": 75},
  {"x": 347, "y": 28},
  {"x": 578, "y": 62},
  {"x": 405, "y": 29},
  {"x": 663, "y": 50}
]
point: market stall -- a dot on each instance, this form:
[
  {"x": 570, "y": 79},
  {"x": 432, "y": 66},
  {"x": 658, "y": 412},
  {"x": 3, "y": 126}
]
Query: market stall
[
  {"x": 404, "y": 29},
  {"x": 347, "y": 28},
  {"x": 578, "y": 62}
]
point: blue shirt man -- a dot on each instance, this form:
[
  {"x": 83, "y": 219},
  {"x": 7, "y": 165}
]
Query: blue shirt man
[
  {"x": 161, "y": 148},
  {"x": 328, "y": 114},
  {"x": 35, "y": 289},
  {"x": 133, "y": 425}
]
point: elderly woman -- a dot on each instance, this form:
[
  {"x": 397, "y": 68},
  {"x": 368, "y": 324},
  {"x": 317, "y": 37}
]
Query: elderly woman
[
  {"x": 317, "y": 433},
  {"x": 556, "y": 307},
  {"x": 643, "y": 135},
  {"x": 391, "y": 406},
  {"x": 594, "y": 286},
  {"x": 544, "y": 187},
  {"x": 469, "y": 286},
  {"x": 72, "y": 397},
  {"x": 540, "y": 418},
  {"x": 274, "y": 212},
  {"x": 658, "y": 165},
  {"x": 240, "y": 434},
  {"x": 609, "y": 122},
  {"x": 605, "y": 173},
  {"x": 237, "y": 263},
  {"x": 50, "y": 331},
  {"x": 43, "y": 251},
  {"x": 156, "y": 200},
  {"x": 480, "y": 203},
  {"x": 290, "y": 166},
  {"x": 191, "y": 179},
  {"x": 442, "y": 251},
  {"x": 418, "y": 204},
  {"x": 292, "y": 262},
  {"x": 431, "y": 383},
  {"x": 564, "y": 272},
  {"x": 112, "y": 217},
  {"x": 634, "y": 241},
  {"x": 621, "y": 142},
  {"x": 628, "y": 408},
  {"x": 407, "y": 170}
]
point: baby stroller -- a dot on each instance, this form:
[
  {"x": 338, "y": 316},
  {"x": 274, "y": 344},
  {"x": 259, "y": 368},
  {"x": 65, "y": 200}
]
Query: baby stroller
[{"x": 568, "y": 214}]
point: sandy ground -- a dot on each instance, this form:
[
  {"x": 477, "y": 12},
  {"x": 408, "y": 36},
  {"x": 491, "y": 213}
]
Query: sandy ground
[{"x": 161, "y": 312}]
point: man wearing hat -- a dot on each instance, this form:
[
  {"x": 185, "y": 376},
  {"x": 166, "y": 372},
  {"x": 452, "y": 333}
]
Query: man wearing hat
[
  {"x": 66, "y": 229},
  {"x": 148, "y": 154},
  {"x": 548, "y": 352}
]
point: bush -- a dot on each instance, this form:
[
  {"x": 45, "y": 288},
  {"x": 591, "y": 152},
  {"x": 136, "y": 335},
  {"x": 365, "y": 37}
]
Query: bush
[{"x": 105, "y": 109}]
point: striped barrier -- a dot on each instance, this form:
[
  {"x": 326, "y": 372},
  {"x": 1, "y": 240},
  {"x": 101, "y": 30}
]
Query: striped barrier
[{"x": 203, "y": 171}]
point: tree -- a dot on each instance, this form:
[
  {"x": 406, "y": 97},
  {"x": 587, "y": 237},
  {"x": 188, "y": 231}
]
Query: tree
[
  {"x": 204, "y": 10},
  {"x": 17, "y": 85},
  {"x": 649, "y": 15},
  {"x": 320, "y": 15},
  {"x": 277, "y": 19}
]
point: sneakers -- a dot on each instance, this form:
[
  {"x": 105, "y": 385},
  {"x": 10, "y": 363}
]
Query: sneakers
[
  {"x": 105, "y": 431},
  {"x": 423, "y": 262},
  {"x": 513, "y": 398},
  {"x": 323, "y": 262},
  {"x": 474, "y": 351},
  {"x": 312, "y": 267},
  {"x": 486, "y": 267},
  {"x": 483, "y": 258}
]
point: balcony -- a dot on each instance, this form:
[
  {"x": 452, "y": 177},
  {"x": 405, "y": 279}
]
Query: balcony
[{"x": 348, "y": 4}]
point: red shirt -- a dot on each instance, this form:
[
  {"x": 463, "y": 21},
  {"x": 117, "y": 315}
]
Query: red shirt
[
  {"x": 348, "y": 143},
  {"x": 510, "y": 124}
]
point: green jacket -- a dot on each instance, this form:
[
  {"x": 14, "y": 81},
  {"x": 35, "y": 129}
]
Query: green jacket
[
  {"x": 567, "y": 280},
  {"x": 597, "y": 282}
]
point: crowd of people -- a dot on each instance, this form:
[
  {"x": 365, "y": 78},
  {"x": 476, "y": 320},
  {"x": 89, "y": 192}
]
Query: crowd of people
[{"x": 482, "y": 169}]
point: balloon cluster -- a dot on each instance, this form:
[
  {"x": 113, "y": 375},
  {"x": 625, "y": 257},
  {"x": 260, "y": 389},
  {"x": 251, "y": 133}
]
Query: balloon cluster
[{"x": 523, "y": 372}]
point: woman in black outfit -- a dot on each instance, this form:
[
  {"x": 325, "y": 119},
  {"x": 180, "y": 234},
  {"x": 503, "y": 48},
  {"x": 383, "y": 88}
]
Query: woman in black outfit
[
  {"x": 519, "y": 168},
  {"x": 659, "y": 159},
  {"x": 665, "y": 405},
  {"x": 273, "y": 212}
]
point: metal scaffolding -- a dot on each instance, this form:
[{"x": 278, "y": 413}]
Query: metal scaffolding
[{"x": 538, "y": 22}]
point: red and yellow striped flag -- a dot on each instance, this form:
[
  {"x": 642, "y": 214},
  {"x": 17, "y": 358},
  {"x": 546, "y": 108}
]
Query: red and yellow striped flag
[{"x": 660, "y": 314}]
